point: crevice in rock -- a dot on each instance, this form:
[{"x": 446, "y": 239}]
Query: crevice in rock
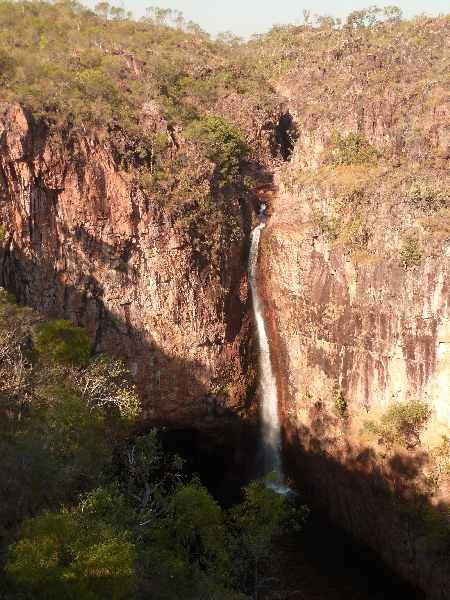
[{"x": 286, "y": 135}]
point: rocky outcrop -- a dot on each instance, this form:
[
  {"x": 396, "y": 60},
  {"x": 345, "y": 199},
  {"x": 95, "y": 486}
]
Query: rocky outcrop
[{"x": 81, "y": 241}]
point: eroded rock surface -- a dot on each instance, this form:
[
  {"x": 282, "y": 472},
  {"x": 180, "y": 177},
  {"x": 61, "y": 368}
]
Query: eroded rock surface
[
  {"x": 81, "y": 242},
  {"x": 355, "y": 266}
]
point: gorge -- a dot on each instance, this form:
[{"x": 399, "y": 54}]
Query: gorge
[{"x": 265, "y": 241}]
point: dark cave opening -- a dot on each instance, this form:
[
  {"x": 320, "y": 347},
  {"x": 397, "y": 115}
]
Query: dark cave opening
[
  {"x": 322, "y": 561},
  {"x": 286, "y": 135},
  {"x": 224, "y": 463}
]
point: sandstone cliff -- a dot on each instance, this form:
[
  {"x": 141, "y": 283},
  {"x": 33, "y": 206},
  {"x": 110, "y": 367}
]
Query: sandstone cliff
[
  {"x": 356, "y": 275},
  {"x": 80, "y": 241},
  {"x": 354, "y": 260}
]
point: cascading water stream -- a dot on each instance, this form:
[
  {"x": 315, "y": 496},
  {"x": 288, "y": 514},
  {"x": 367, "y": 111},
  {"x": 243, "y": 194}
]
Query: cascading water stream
[{"x": 270, "y": 420}]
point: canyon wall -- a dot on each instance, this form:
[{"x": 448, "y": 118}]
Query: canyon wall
[
  {"x": 360, "y": 320},
  {"x": 354, "y": 265},
  {"x": 355, "y": 270},
  {"x": 82, "y": 242},
  {"x": 369, "y": 332}
]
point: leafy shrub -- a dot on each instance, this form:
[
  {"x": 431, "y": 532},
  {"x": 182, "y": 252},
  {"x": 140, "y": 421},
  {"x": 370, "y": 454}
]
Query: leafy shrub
[
  {"x": 355, "y": 234},
  {"x": 352, "y": 149},
  {"x": 62, "y": 342},
  {"x": 410, "y": 254},
  {"x": 196, "y": 517},
  {"x": 85, "y": 552},
  {"x": 224, "y": 145},
  {"x": 6, "y": 298},
  {"x": 402, "y": 423},
  {"x": 254, "y": 525},
  {"x": 329, "y": 226},
  {"x": 3, "y": 232},
  {"x": 95, "y": 83},
  {"x": 441, "y": 465},
  {"x": 7, "y": 66},
  {"x": 106, "y": 383},
  {"x": 143, "y": 461},
  {"x": 425, "y": 197},
  {"x": 56, "y": 424},
  {"x": 75, "y": 435}
]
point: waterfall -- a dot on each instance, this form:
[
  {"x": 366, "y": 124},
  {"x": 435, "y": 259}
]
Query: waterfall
[{"x": 270, "y": 420}]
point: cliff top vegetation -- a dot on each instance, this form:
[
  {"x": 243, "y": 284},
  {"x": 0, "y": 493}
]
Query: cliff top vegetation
[
  {"x": 84, "y": 68},
  {"x": 159, "y": 79},
  {"x": 80, "y": 67}
]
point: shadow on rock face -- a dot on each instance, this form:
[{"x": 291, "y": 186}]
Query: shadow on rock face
[
  {"x": 173, "y": 396},
  {"x": 384, "y": 508}
]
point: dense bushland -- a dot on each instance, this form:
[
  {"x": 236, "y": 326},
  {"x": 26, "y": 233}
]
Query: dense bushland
[
  {"x": 194, "y": 120},
  {"x": 77, "y": 67},
  {"x": 89, "y": 507}
]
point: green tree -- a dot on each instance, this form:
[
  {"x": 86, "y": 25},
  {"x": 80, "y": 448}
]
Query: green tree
[
  {"x": 224, "y": 145},
  {"x": 62, "y": 342},
  {"x": 411, "y": 254},
  {"x": 148, "y": 476},
  {"x": 106, "y": 383},
  {"x": 402, "y": 423},
  {"x": 367, "y": 17},
  {"x": 186, "y": 554},
  {"x": 392, "y": 14},
  {"x": 59, "y": 441},
  {"x": 7, "y": 66},
  {"x": 76, "y": 435},
  {"x": 158, "y": 15},
  {"x": 103, "y": 9},
  {"x": 81, "y": 553},
  {"x": 352, "y": 149},
  {"x": 254, "y": 524}
]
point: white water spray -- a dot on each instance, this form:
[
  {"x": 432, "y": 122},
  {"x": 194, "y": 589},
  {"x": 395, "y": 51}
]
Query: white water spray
[{"x": 270, "y": 420}]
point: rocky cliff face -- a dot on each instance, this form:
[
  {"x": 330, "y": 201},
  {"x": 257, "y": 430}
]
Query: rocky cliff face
[
  {"x": 366, "y": 333},
  {"x": 356, "y": 276},
  {"x": 80, "y": 241},
  {"x": 363, "y": 321}
]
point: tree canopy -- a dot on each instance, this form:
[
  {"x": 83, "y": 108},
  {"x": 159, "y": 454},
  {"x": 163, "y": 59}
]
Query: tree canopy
[{"x": 90, "y": 508}]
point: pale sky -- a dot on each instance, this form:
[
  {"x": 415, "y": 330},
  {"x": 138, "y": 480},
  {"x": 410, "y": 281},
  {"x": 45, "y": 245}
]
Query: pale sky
[{"x": 245, "y": 17}]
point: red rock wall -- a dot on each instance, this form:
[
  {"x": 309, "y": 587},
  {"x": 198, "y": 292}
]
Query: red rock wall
[
  {"x": 375, "y": 333},
  {"x": 82, "y": 243},
  {"x": 354, "y": 315}
]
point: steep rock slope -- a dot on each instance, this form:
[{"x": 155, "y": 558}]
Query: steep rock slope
[
  {"x": 128, "y": 153},
  {"x": 356, "y": 276},
  {"x": 80, "y": 241}
]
